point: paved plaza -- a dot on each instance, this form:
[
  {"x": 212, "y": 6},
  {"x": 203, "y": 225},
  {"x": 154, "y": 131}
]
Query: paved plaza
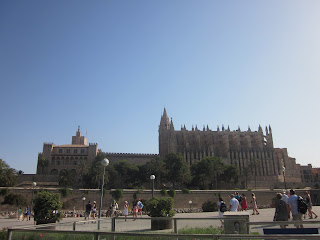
[{"x": 143, "y": 224}]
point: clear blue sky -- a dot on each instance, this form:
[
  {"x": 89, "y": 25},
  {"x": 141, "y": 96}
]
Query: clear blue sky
[{"x": 112, "y": 66}]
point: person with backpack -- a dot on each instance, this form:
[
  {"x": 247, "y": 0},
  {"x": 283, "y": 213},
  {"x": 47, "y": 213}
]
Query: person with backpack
[
  {"x": 140, "y": 206},
  {"x": 222, "y": 207},
  {"x": 293, "y": 204}
]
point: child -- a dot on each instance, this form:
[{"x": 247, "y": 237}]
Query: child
[{"x": 135, "y": 212}]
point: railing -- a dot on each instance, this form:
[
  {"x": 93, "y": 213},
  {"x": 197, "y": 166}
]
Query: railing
[
  {"x": 113, "y": 228},
  {"x": 113, "y": 235}
]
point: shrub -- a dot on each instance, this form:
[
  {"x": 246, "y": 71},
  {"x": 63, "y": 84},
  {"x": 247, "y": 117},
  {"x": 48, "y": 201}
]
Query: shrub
[
  {"x": 160, "y": 207},
  {"x": 209, "y": 206},
  {"x": 172, "y": 193},
  {"x": 163, "y": 192},
  {"x": 65, "y": 192},
  {"x": 117, "y": 194},
  {"x": 47, "y": 206},
  {"x": 202, "y": 230},
  {"x": 4, "y": 191},
  {"x": 3, "y": 234},
  {"x": 15, "y": 199},
  {"x": 185, "y": 191}
]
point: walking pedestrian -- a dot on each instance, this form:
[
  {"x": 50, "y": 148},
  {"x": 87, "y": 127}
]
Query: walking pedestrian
[
  {"x": 309, "y": 205},
  {"x": 88, "y": 211},
  {"x": 244, "y": 204},
  {"x": 126, "y": 210},
  {"x": 293, "y": 203},
  {"x": 254, "y": 204},
  {"x": 282, "y": 211},
  {"x": 234, "y": 203}
]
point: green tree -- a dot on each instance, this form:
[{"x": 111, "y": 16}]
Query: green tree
[
  {"x": 42, "y": 162},
  {"x": 207, "y": 171},
  {"x": 117, "y": 194},
  {"x": 47, "y": 206},
  {"x": 128, "y": 173},
  {"x": 15, "y": 199},
  {"x": 83, "y": 170},
  {"x": 8, "y": 176},
  {"x": 230, "y": 174},
  {"x": 246, "y": 173},
  {"x": 66, "y": 178},
  {"x": 253, "y": 166},
  {"x": 178, "y": 171},
  {"x": 156, "y": 167},
  {"x": 94, "y": 176}
]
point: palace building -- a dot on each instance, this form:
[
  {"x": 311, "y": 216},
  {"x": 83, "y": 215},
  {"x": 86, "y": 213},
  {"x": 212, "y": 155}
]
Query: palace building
[{"x": 240, "y": 148}]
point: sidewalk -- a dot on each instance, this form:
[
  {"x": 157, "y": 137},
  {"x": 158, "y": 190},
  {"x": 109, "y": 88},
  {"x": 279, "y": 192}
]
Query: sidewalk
[{"x": 266, "y": 215}]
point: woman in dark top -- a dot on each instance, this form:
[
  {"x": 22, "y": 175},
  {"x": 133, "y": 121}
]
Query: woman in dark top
[{"x": 282, "y": 210}]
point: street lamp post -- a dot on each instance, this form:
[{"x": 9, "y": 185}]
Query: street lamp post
[
  {"x": 33, "y": 185},
  {"x": 284, "y": 177},
  {"x": 104, "y": 163},
  {"x": 83, "y": 199},
  {"x": 152, "y": 177},
  {"x": 190, "y": 203}
]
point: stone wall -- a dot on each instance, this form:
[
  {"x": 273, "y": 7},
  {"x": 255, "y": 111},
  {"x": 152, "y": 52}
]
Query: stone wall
[
  {"x": 133, "y": 158},
  {"x": 198, "y": 197}
]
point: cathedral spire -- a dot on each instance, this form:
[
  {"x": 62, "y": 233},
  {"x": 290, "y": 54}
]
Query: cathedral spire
[
  {"x": 270, "y": 131},
  {"x": 164, "y": 112},
  {"x": 266, "y": 130},
  {"x": 171, "y": 125}
]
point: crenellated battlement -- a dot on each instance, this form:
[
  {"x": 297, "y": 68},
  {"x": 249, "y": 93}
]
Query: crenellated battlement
[{"x": 132, "y": 154}]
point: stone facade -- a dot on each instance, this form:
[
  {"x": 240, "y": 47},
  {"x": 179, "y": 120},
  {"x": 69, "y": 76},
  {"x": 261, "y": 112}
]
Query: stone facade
[
  {"x": 233, "y": 147},
  {"x": 133, "y": 158},
  {"x": 306, "y": 173},
  {"x": 68, "y": 156},
  {"x": 240, "y": 148}
]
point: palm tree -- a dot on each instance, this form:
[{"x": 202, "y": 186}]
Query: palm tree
[
  {"x": 83, "y": 170},
  {"x": 253, "y": 165},
  {"x": 66, "y": 178},
  {"x": 43, "y": 163}
]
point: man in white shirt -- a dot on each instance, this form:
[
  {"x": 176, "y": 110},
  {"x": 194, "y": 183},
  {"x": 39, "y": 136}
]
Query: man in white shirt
[
  {"x": 285, "y": 196},
  {"x": 293, "y": 203},
  {"x": 234, "y": 203}
]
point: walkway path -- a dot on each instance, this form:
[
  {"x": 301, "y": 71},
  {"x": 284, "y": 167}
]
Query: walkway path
[{"x": 143, "y": 224}]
